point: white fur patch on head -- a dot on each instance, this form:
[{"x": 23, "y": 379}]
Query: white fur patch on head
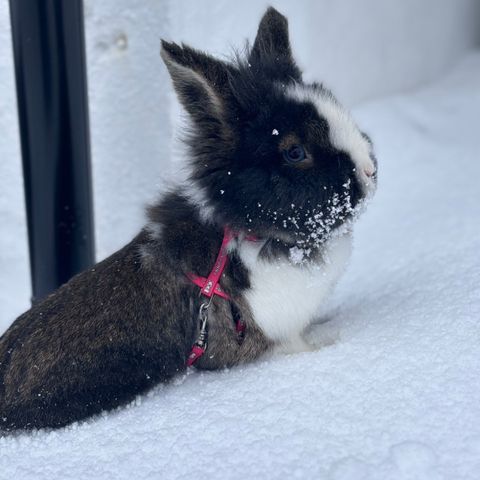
[{"x": 343, "y": 132}]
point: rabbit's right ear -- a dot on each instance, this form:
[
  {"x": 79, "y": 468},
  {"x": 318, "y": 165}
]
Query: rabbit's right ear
[{"x": 200, "y": 81}]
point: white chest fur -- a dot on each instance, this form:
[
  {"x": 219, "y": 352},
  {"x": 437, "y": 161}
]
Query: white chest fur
[{"x": 286, "y": 297}]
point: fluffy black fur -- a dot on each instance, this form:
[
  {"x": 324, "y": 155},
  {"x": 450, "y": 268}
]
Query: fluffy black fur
[{"x": 235, "y": 157}]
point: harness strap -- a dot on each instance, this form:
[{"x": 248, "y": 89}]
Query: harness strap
[
  {"x": 202, "y": 283},
  {"x": 209, "y": 287}
]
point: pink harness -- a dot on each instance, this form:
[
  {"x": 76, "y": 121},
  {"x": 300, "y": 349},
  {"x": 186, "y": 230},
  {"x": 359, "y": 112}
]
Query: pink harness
[{"x": 209, "y": 287}]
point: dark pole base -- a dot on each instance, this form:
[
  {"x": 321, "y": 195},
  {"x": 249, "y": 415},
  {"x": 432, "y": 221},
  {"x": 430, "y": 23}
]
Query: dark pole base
[{"x": 49, "y": 51}]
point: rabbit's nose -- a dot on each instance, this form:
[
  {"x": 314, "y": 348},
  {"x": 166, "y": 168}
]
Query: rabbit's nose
[{"x": 369, "y": 171}]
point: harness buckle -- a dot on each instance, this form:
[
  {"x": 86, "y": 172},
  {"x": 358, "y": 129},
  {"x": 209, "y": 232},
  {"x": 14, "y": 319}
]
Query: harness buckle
[
  {"x": 201, "y": 344},
  {"x": 202, "y": 339}
]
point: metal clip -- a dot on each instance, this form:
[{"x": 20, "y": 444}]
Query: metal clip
[{"x": 203, "y": 333}]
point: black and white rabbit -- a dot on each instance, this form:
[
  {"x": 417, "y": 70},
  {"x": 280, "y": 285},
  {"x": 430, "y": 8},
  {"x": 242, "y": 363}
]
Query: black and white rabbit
[{"x": 270, "y": 157}]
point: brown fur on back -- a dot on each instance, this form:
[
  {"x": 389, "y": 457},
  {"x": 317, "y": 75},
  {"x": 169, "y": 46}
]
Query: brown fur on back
[{"x": 120, "y": 328}]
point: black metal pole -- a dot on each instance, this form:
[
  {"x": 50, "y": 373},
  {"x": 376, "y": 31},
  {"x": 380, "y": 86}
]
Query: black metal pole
[{"x": 50, "y": 70}]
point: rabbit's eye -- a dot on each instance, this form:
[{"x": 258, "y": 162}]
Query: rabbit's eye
[{"x": 295, "y": 154}]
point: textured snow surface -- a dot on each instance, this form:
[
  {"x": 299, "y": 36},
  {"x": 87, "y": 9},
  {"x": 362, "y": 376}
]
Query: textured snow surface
[{"x": 394, "y": 391}]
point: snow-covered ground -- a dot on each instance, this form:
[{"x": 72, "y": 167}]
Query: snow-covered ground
[{"x": 394, "y": 393}]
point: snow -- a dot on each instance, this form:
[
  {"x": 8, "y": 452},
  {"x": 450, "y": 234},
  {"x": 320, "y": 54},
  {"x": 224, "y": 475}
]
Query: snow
[{"x": 392, "y": 392}]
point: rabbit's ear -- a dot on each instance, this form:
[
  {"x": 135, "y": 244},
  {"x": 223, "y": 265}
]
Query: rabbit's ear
[
  {"x": 199, "y": 80},
  {"x": 271, "y": 52},
  {"x": 272, "y": 35}
]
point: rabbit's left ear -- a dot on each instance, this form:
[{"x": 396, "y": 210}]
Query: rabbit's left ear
[
  {"x": 272, "y": 44},
  {"x": 200, "y": 81}
]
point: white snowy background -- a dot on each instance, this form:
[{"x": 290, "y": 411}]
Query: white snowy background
[{"x": 394, "y": 392}]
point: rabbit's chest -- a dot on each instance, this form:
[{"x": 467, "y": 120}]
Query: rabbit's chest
[{"x": 285, "y": 297}]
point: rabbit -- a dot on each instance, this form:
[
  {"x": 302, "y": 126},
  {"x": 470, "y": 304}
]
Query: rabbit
[{"x": 278, "y": 172}]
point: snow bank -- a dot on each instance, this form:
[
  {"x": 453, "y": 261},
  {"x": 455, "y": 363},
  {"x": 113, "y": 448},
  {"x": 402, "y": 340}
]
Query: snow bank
[{"x": 392, "y": 394}]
